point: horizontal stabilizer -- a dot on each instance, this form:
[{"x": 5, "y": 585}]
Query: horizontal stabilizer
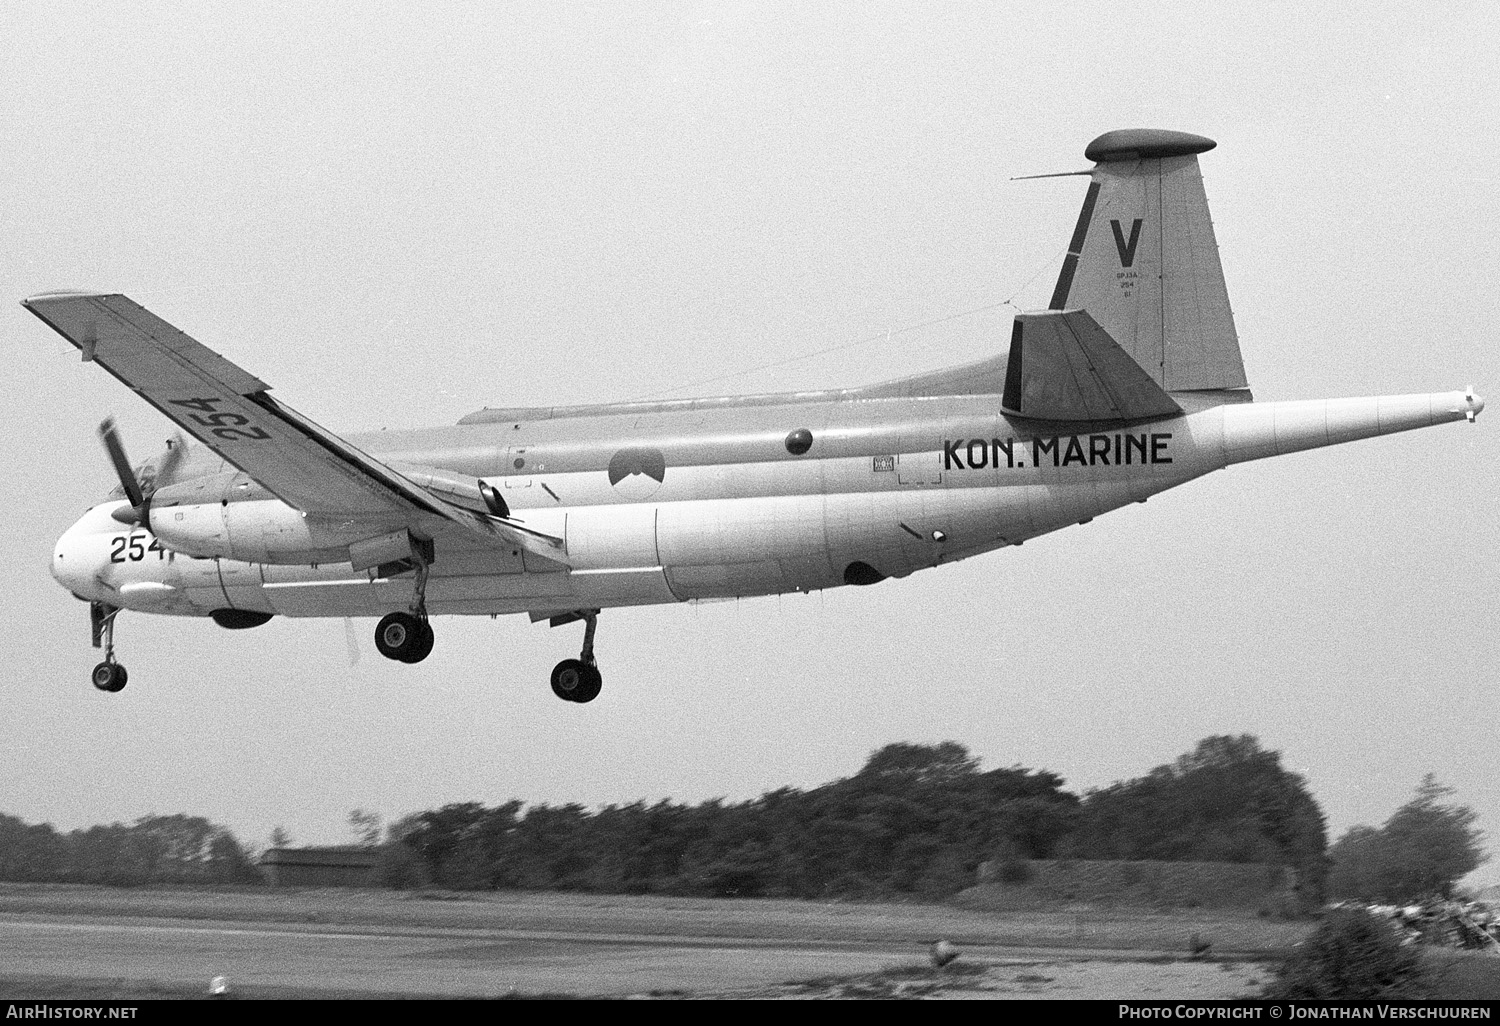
[{"x": 1063, "y": 366}]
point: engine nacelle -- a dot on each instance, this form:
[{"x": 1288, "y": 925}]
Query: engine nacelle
[{"x": 259, "y": 531}]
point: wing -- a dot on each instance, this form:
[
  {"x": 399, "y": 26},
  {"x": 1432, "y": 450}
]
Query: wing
[
  {"x": 1063, "y": 366},
  {"x": 232, "y": 412}
]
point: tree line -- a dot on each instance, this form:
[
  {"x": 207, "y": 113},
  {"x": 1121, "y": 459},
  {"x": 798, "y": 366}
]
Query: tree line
[
  {"x": 153, "y": 850},
  {"x": 916, "y": 820}
]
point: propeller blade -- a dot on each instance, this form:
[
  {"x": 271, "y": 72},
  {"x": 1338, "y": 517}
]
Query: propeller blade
[{"x": 111, "y": 439}]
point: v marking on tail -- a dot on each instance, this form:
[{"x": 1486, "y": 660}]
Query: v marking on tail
[{"x": 1127, "y": 249}]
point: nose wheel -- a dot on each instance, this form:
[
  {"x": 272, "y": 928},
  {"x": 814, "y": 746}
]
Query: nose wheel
[
  {"x": 109, "y": 675},
  {"x": 579, "y": 680}
]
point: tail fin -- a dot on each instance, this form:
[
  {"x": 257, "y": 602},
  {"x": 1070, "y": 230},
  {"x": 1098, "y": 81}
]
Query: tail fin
[{"x": 1144, "y": 263}]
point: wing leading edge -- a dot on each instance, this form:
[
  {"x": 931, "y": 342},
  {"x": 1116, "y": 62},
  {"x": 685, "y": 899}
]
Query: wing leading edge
[{"x": 231, "y": 412}]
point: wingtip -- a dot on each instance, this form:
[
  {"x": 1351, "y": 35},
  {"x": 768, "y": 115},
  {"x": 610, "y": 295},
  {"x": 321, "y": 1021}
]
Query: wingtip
[{"x": 62, "y": 294}]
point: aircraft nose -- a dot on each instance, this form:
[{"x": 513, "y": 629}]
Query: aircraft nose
[
  {"x": 64, "y": 570},
  {"x": 70, "y": 561}
]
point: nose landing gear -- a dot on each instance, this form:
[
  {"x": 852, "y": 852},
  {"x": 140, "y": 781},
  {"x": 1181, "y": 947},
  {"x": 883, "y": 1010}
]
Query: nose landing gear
[
  {"x": 579, "y": 680},
  {"x": 109, "y": 675}
]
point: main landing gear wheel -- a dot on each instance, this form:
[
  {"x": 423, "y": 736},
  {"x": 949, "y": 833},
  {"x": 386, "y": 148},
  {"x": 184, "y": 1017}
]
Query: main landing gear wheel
[
  {"x": 579, "y": 680},
  {"x": 574, "y": 680},
  {"x": 404, "y": 637},
  {"x": 110, "y": 676}
]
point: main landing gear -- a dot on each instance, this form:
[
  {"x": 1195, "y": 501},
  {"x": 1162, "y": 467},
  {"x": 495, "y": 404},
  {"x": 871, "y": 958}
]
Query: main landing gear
[
  {"x": 578, "y": 680},
  {"x": 109, "y": 675},
  {"x": 408, "y": 637}
]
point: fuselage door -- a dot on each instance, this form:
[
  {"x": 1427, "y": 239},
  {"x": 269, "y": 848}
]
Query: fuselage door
[
  {"x": 919, "y": 457},
  {"x": 916, "y": 467}
]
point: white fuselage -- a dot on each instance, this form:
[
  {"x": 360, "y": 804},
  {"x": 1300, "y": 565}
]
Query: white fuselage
[{"x": 697, "y": 501}]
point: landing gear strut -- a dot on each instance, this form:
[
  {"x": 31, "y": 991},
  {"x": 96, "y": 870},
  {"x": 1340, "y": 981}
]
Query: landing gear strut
[
  {"x": 579, "y": 680},
  {"x": 109, "y": 675},
  {"x": 408, "y": 637}
]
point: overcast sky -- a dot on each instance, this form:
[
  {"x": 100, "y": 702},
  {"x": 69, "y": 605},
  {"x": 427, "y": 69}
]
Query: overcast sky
[{"x": 398, "y": 215}]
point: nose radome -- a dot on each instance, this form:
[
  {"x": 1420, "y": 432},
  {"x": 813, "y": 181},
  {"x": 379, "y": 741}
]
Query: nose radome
[
  {"x": 65, "y": 570},
  {"x": 70, "y": 560}
]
